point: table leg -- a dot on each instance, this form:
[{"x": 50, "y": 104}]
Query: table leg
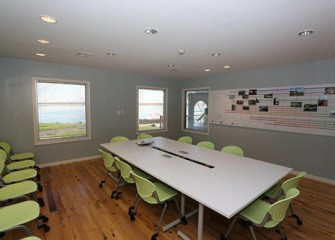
[{"x": 200, "y": 221}]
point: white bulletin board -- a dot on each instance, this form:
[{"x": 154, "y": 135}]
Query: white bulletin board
[{"x": 304, "y": 109}]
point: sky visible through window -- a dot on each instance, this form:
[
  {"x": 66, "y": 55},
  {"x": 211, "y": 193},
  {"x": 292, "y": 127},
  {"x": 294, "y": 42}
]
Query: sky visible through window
[{"x": 60, "y": 93}]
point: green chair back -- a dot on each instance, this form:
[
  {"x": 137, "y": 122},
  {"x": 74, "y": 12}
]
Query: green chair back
[
  {"x": 119, "y": 139},
  {"x": 145, "y": 189},
  {"x": 144, "y": 136},
  {"x": 206, "y": 144},
  {"x": 235, "y": 150},
  {"x": 125, "y": 170},
  {"x": 292, "y": 182},
  {"x": 185, "y": 139},
  {"x": 278, "y": 209},
  {"x": 108, "y": 160},
  {"x": 5, "y": 146}
]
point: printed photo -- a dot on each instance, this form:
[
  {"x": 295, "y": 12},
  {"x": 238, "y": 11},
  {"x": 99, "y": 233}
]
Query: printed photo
[
  {"x": 323, "y": 100},
  {"x": 245, "y": 96},
  {"x": 298, "y": 91},
  {"x": 241, "y": 92},
  {"x": 239, "y": 102},
  {"x": 253, "y": 92},
  {"x": 245, "y": 107},
  {"x": 233, "y": 107},
  {"x": 310, "y": 107},
  {"x": 330, "y": 90},
  {"x": 231, "y": 96},
  {"x": 332, "y": 113},
  {"x": 275, "y": 101},
  {"x": 263, "y": 108},
  {"x": 269, "y": 95},
  {"x": 296, "y": 104},
  {"x": 252, "y": 101}
]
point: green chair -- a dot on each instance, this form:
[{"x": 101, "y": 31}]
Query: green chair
[
  {"x": 235, "y": 150},
  {"x": 143, "y": 136},
  {"x": 125, "y": 176},
  {"x": 185, "y": 139},
  {"x": 109, "y": 162},
  {"x": 20, "y": 190},
  {"x": 154, "y": 193},
  {"x": 17, "y": 165},
  {"x": 206, "y": 144},
  {"x": 263, "y": 214},
  {"x": 31, "y": 238},
  {"x": 279, "y": 190},
  {"x": 18, "y": 176},
  {"x": 119, "y": 139},
  {"x": 16, "y": 157},
  {"x": 14, "y": 216}
]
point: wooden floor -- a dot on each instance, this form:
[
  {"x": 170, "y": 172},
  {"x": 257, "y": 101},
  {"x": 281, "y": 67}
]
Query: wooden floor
[{"x": 78, "y": 209}]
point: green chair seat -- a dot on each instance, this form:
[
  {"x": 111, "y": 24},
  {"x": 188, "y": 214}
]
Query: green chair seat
[
  {"x": 22, "y": 156},
  {"x": 256, "y": 211},
  {"x": 20, "y": 165},
  {"x": 164, "y": 192},
  {"x": 17, "y": 189},
  {"x": 185, "y": 139},
  {"x": 17, "y": 214},
  {"x": 31, "y": 238},
  {"x": 18, "y": 176},
  {"x": 119, "y": 139},
  {"x": 144, "y": 136},
  {"x": 273, "y": 192},
  {"x": 235, "y": 150}
]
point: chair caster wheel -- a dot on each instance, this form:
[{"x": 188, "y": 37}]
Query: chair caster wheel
[
  {"x": 40, "y": 188},
  {"x": 46, "y": 228},
  {"x": 45, "y": 219},
  {"x": 41, "y": 202},
  {"x": 154, "y": 236},
  {"x": 100, "y": 185},
  {"x": 130, "y": 211},
  {"x": 38, "y": 177},
  {"x": 299, "y": 222},
  {"x": 222, "y": 237},
  {"x": 183, "y": 221}
]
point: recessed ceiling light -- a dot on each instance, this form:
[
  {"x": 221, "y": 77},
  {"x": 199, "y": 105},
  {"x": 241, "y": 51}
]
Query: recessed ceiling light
[
  {"x": 170, "y": 65},
  {"x": 150, "y": 31},
  {"x": 226, "y": 66},
  {"x": 43, "y": 41},
  {"x": 48, "y": 19},
  {"x": 181, "y": 51},
  {"x": 216, "y": 54},
  {"x": 306, "y": 32},
  {"x": 207, "y": 70},
  {"x": 83, "y": 54},
  {"x": 111, "y": 54},
  {"x": 40, "y": 54}
]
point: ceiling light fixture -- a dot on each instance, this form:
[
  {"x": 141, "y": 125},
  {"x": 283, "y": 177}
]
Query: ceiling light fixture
[
  {"x": 40, "y": 54},
  {"x": 43, "y": 41},
  {"x": 111, "y": 54},
  {"x": 226, "y": 66},
  {"x": 216, "y": 54},
  {"x": 306, "y": 32},
  {"x": 150, "y": 31},
  {"x": 207, "y": 70},
  {"x": 83, "y": 54},
  {"x": 170, "y": 65},
  {"x": 48, "y": 19},
  {"x": 181, "y": 51}
]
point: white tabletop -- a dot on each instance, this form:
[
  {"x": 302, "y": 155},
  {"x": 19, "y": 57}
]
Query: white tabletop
[{"x": 227, "y": 188}]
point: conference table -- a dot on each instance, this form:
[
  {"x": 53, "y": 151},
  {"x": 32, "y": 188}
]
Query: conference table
[{"x": 222, "y": 182}]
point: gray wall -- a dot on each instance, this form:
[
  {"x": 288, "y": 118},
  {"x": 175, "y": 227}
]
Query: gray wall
[
  {"x": 110, "y": 91},
  {"x": 311, "y": 153}
]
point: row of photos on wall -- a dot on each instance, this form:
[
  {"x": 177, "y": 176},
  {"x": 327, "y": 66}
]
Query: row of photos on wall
[{"x": 305, "y": 109}]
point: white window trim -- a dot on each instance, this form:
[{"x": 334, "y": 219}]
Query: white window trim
[
  {"x": 37, "y": 139},
  {"x": 183, "y": 110},
  {"x": 165, "y": 109}
]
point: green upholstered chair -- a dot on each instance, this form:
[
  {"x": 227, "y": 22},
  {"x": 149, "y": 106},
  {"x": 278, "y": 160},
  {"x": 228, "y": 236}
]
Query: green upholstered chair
[
  {"x": 206, "y": 144},
  {"x": 16, "y": 157},
  {"x": 143, "y": 136},
  {"x": 109, "y": 162},
  {"x": 263, "y": 214},
  {"x": 30, "y": 238},
  {"x": 279, "y": 190},
  {"x": 18, "y": 176},
  {"x": 20, "y": 190},
  {"x": 16, "y": 215},
  {"x": 126, "y": 177},
  {"x": 185, "y": 139},
  {"x": 235, "y": 150},
  {"x": 17, "y": 165},
  {"x": 154, "y": 193},
  {"x": 119, "y": 139}
]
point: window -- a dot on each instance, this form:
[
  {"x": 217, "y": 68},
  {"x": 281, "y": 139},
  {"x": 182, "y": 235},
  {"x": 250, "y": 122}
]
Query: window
[
  {"x": 195, "y": 110},
  {"x": 151, "y": 110},
  {"x": 61, "y": 110}
]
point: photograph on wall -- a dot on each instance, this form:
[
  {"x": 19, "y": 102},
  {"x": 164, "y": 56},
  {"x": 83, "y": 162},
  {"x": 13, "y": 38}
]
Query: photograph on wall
[
  {"x": 245, "y": 107},
  {"x": 332, "y": 113},
  {"x": 231, "y": 97},
  {"x": 253, "y": 92},
  {"x": 330, "y": 90},
  {"x": 245, "y": 96},
  {"x": 269, "y": 95},
  {"x": 252, "y": 101},
  {"x": 296, "y": 104},
  {"x": 233, "y": 107},
  {"x": 263, "y": 108},
  {"x": 297, "y": 91},
  {"x": 241, "y": 92},
  {"x": 310, "y": 107},
  {"x": 239, "y": 102},
  {"x": 275, "y": 101},
  {"x": 323, "y": 100}
]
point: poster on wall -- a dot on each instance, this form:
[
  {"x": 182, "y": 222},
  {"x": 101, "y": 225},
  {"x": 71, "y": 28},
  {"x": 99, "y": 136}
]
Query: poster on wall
[{"x": 304, "y": 109}]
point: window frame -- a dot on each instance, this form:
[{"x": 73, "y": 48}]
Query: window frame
[
  {"x": 37, "y": 139},
  {"x": 165, "y": 110},
  {"x": 183, "y": 122}
]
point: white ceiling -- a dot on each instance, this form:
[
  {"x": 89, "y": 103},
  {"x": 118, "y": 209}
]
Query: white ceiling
[{"x": 248, "y": 34}]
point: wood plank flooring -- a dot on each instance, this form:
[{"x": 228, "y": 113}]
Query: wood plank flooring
[{"x": 79, "y": 210}]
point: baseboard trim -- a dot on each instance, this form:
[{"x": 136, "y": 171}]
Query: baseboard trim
[
  {"x": 68, "y": 161},
  {"x": 317, "y": 178}
]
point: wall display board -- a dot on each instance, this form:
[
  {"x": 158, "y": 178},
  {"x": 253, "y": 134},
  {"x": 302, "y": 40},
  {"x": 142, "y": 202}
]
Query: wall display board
[{"x": 304, "y": 109}]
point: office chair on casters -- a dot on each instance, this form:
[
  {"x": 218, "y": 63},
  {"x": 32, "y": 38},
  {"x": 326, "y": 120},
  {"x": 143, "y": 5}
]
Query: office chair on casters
[
  {"x": 109, "y": 163},
  {"x": 30, "y": 238},
  {"x": 185, "y": 139},
  {"x": 143, "y": 136},
  {"x": 206, "y": 144},
  {"x": 235, "y": 150},
  {"x": 119, "y": 139},
  {"x": 126, "y": 177},
  {"x": 263, "y": 214},
  {"x": 14, "y": 216},
  {"x": 279, "y": 191},
  {"x": 154, "y": 193}
]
